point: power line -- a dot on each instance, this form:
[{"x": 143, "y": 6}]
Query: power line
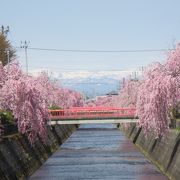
[
  {"x": 97, "y": 51},
  {"x": 49, "y": 68}
]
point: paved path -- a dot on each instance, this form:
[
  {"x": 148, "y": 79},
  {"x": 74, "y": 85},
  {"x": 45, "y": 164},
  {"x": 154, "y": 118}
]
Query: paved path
[{"x": 97, "y": 151}]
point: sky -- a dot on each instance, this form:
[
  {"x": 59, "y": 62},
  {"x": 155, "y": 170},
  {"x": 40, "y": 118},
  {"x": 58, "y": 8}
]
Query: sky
[{"x": 104, "y": 25}]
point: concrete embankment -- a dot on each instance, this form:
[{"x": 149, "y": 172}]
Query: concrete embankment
[
  {"x": 18, "y": 159},
  {"x": 164, "y": 152}
]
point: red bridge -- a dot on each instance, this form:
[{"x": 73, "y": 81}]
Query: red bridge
[{"x": 86, "y": 115}]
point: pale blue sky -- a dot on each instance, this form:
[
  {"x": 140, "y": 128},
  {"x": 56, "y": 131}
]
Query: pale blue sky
[{"x": 93, "y": 25}]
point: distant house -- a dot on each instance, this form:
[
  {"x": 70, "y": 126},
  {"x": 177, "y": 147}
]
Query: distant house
[
  {"x": 100, "y": 97},
  {"x": 112, "y": 93}
]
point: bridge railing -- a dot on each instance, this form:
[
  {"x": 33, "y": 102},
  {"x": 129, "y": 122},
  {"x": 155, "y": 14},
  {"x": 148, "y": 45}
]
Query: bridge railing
[{"x": 92, "y": 112}]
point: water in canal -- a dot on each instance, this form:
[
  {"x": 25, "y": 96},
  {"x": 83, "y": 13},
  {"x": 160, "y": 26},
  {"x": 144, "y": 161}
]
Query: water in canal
[{"x": 98, "y": 151}]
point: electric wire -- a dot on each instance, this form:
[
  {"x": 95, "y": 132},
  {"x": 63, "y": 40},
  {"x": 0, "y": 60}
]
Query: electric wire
[{"x": 96, "y": 51}]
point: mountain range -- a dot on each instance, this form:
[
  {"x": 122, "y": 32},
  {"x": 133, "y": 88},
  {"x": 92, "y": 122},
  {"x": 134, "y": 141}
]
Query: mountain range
[{"x": 90, "y": 83}]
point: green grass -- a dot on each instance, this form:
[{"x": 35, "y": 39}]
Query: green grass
[{"x": 178, "y": 129}]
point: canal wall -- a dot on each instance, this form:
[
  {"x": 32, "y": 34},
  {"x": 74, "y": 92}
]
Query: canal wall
[
  {"x": 19, "y": 159},
  {"x": 164, "y": 152}
]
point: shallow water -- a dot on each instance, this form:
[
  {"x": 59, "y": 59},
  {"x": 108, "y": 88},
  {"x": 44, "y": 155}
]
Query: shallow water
[{"x": 98, "y": 151}]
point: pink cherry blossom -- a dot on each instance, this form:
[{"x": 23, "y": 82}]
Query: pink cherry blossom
[{"x": 29, "y": 99}]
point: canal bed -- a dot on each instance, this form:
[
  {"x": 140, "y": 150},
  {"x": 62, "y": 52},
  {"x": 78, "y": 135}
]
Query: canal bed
[{"x": 98, "y": 151}]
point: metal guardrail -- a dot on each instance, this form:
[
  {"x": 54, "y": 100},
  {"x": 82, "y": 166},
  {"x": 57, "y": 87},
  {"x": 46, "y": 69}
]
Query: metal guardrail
[{"x": 86, "y": 113}]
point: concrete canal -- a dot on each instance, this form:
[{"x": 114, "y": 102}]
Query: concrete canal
[{"x": 98, "y": 151}]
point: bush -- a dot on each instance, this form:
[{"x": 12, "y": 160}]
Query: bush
[
  {"x": 54, "y": 107},
  {"x": 6, "y": 117}
]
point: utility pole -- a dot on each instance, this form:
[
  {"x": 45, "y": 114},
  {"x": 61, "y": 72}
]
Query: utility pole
[
  {"x": 4, "y": 30},
  {"x": 8, "y": 58},
  {"x": 142, "y": 70},
  {"x": 135, "y": 75},
  {"x": 25, "y": 46},
  {"x": 123, "y": 83}
]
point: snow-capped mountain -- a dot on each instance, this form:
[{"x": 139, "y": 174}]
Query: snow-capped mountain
[
  {"x": 90, "y": 83},
  {"x": 92, "y": 86}
]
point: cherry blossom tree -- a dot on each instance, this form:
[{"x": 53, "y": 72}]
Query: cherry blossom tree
[
  {"x": 156, "y": 96},
  {"x": 48, "y": 89},
  {"x": 20, "y": 95},
  {"x": 104, "y": 101},
  {"x": 127, "y": 96},
  {"x": 152, "y": 103},
  {"x": 67, "y": 98},
  {"x": 29, "y": 99},
  {"x": 159, "y": 93}
]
